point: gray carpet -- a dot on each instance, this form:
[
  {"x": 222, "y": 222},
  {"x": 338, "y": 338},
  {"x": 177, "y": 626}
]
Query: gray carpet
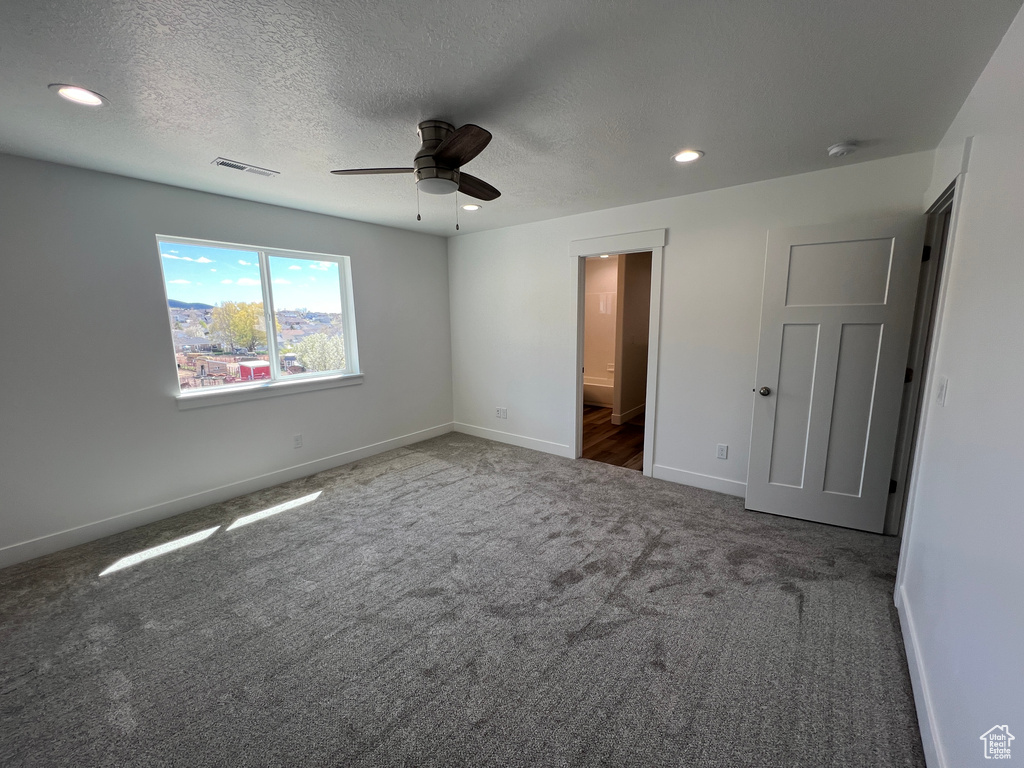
[{"x": 463, "y": 603}]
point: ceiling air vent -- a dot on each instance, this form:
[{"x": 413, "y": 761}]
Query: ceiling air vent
[{"x": 225, "y": 163}]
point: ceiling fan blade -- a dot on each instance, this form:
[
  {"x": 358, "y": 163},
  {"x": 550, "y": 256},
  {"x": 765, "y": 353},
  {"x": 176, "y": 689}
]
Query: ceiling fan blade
[
  {"x": 369, "y": 171},
  {"x": 462, "y": 146},
  {"x": 478, "y": 188}
]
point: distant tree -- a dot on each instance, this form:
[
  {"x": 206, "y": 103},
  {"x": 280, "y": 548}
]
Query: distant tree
[
  {"x": 195, "y": 328},
  {"x": 239, "y": 324},
  {"x": 320, "y": 352}
]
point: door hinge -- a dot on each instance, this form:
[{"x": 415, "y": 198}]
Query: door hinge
[
  {"x": 926, "y": 253},
  {"x": 892, "y": 486},
  {"x": 908, "y": 376}
]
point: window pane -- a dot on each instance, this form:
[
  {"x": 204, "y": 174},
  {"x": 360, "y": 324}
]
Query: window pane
[
  {"x": 310, "y": 320},
  {"x": 215, "y": 305}
]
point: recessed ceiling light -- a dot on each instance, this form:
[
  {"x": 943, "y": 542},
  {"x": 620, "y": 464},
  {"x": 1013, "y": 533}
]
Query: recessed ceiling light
[
  {"x": 78, "y": 95},
  {"x": 471, "y": 207},
  {"x": 605, "y": 255},
  {"x": 688, "y": 155}
]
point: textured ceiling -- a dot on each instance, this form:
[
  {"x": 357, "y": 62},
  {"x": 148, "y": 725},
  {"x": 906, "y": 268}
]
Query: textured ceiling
[{"x": 587, "y": 99}]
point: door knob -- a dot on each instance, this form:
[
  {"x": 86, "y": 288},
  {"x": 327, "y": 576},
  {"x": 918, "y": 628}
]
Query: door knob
[{"x": 764, "y": 391}]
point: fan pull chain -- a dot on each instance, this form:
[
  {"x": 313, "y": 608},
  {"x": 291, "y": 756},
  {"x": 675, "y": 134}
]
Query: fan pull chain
[
  {"x": 418, "y": 204},
  {"x": 456, "y": 210}
]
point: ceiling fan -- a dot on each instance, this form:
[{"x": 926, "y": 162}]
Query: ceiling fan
[{"x": 436, "y": 167}]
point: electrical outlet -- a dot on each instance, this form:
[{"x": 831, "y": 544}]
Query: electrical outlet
[
  {"x": 723, "y": 451},
  {"x": 497, "y": 413},
  {"x": 297, "y": 441}
]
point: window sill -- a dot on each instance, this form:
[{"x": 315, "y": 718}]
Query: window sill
[{"x": 240, "y": 394}]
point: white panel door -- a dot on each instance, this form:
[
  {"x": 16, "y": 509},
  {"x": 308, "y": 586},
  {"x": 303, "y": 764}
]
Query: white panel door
[{"x": 835, "y": 327}]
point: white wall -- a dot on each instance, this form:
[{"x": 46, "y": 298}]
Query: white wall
[
  {"x": 599, "y": 320},
  {"x": 83, "y": 440},
  {"x": 513, "y": 324},
  {"x": 961, "y": 582}
]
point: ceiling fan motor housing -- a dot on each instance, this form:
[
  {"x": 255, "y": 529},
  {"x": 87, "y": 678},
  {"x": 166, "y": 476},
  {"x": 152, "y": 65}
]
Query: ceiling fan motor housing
[{"x": 431, "y": 178}]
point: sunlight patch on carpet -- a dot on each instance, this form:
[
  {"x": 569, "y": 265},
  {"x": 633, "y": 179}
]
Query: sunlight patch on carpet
[
  {"x": 273, "y": 510},
  {"x": 163, "y": 549}
]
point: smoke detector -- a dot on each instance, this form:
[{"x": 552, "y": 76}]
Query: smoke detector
[{"x": 842, "y": 149}]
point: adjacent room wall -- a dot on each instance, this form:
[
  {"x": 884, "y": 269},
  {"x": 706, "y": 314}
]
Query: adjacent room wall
[
  {"x": 89, "y": 428},
  {"x": 514, "y": 328},
  {"x": 961, "y": 581},
  {"x": 633, "y": 322},
  {"x": 599, "y": 313}
]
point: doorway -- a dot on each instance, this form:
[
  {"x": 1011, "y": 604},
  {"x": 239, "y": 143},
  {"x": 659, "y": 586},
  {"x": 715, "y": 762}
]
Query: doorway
[
  {"x": 616, "y": 330},
  {"x": 653, "y": 241}
]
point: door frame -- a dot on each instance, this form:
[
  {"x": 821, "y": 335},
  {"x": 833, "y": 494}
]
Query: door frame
[
  {"x": 939, "y": 221},
  {"x": 929, "y": 388},
  {"x": 652, "y": 240}
]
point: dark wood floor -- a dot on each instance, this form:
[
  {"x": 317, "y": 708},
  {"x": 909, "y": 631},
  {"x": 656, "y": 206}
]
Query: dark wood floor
[{"x": 621, "y": 445}]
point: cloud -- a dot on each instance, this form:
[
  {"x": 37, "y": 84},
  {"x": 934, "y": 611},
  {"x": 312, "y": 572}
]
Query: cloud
[
  {"x": 245, "y": 263},
  {"x": 200, "y": 260},
  {"x": 213, "y": 270},
  {"x": 323, "y": 266},
  {"x": 247, "y": 281},
  {"x": 178, "y": 282},
  {"x": 227, "y": 282},
  {"x": 294, "y": 266},
  {"x": 282, "y": 281},
  {"x": 312, "y": 279}
]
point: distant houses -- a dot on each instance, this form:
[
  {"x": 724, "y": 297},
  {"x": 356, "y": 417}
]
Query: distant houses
[
  {"x": 293, "y": 327},
  {"x": 203, "y": 361}
]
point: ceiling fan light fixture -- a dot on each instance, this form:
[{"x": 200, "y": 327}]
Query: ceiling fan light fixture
[
  {"x": 688, "y": 155},
  {"x": 78, "y": 95},
  {"x": 432, "y": 185},
  {"x": 471, "y": 207}
]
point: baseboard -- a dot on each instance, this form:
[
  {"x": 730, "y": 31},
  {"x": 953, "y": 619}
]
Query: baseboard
[
  {"x": 54, "y": 542},
  {"x": 707, "y": 482},
  {"x": 521, "y": 440},
  {"x": 625, "y": 416},
  {"x": 933, "y": 755}
]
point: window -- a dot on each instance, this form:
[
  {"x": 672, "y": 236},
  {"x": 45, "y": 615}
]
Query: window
[{"x": 244, "y": 317}]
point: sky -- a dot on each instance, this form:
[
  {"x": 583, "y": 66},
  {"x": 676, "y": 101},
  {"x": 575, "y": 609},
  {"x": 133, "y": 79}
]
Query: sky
[{"x": 212, "y": 275}]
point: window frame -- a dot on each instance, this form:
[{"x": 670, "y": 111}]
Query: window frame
[{"x": 277, "y": 385}]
